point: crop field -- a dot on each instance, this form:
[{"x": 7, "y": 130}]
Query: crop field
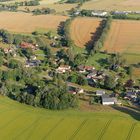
[
  {"x": 59, "y": 8},
  {"x": 83, "y": 29},
  {"x": 112, "y": 5},
  {"x": 26, "y": 23},
  {"x": 20, "y": 122},
  {"x": 124, "y": 38}
]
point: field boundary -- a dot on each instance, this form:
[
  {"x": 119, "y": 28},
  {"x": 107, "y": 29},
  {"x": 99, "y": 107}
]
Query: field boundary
[
  {"x": 104, "y": 129},
  {"x": 131, "y": 131},
  {"x": 78, "y": 129},
  {"x": 52, "y": 129}
]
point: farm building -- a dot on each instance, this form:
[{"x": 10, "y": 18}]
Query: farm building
[
  {"x": 100, "y": 92},
  {"x": 99, "y": 13},
  {"x": 107, "y": 100}
]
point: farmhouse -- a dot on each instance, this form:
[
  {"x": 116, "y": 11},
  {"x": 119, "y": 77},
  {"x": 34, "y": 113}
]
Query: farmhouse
[{"x": 107, "y": 100}]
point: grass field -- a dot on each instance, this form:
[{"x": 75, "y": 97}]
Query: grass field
[
  {"x": 20, "y": 122},
  {"x": 124, "y": 38},
  {"x": 83, "y": 29},
  {"x": 26, "y": 23},
  {"x": 112, "y": 5}
]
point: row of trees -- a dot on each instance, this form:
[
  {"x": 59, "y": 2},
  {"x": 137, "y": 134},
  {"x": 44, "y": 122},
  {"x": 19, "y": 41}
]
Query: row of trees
[
  {"x": 28, "y": 3},
  {"x": 66, "y": 31},
  {"x": 16, "y": 39},
  {"x": 101, "y": 35},
  {"x": 43, "y": 11}
]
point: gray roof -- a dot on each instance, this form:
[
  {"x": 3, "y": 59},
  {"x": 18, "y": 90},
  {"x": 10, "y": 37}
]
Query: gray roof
[
  {"x": 107, "y": 98},
  {"x": 101, "y": 92}
]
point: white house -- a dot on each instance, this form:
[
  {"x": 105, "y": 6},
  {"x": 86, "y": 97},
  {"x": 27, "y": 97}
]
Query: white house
[
  {"x": 99, "y": 13},
  {"x": 63, "y": 69}
]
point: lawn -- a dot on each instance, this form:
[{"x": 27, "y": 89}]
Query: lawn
[
  {"x": 97, "y": 60},
  {"x": 20, "y": 122}
]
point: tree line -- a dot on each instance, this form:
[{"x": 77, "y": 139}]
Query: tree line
[{"x": 101, "y": 35}]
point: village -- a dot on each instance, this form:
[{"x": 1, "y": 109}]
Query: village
[{"x": 89, "y": 73}]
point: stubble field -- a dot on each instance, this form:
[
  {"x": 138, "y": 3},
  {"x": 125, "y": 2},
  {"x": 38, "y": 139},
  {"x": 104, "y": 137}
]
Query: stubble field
[
  {"x": 26, "y": 23},
  {"x": 112, "y": 5},
  {"x": 83, "y": 29},
  {"x": 124, "y": 37}
]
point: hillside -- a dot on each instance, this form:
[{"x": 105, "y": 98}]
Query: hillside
[{"x": 18, "y": 121}]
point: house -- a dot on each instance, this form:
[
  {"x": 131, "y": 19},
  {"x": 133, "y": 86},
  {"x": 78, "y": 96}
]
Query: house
[
  {"x": 7, "y": 50},
  {"x": 91, "y": 75},
  {"x": 63, "y": 69},
  {"x": 80, "y": 90},
  {"x": 100, "y": 92},
  {"x": 89, "y": 68},
  {"x": 33, "y": 57},
  {"x": 81, "y": 69},
  {"x": 25, "y": 45},
  {"x": 32, "y": 63},
  {"x": 130, "y": 95},
  {"x": 107, "y": 100},
  {"x": 120, "y": 12},
  {"x": 99, "y": 13}
]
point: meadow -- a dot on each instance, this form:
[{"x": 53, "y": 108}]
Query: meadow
[
  {"x": 27, "y": 23},
  {"x": 20, "y": 122},
  {"x": 82, "y": 30},
  {"x": 112, "y": 5}
]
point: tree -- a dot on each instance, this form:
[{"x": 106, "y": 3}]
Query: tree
[
  {"x": 130, "y": 71},
  {"x": 79, "y": 59},
  {"x": 14, "y": 64},
  {"x": 110, "y": 82}
]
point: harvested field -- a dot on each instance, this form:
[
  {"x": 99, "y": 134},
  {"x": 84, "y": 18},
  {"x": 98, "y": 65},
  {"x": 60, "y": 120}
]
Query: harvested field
[
  {"x": 83, "y": 29},
  {"x": 112, "y": 5},
  {"x": 26, "y": 23},
  {"x": 59, "y": 8},
  {"x": 124, "y": 37}
]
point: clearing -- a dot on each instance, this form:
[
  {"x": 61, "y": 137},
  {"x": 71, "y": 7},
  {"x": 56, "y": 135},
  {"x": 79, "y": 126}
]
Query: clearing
[
  {"x": 83, "y": 29},
  {"x": 18, "y": 121},
  {"x": 26, "y": 23}
]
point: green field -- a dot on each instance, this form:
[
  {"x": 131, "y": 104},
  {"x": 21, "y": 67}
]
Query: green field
[{"x": 22, "y": 122}]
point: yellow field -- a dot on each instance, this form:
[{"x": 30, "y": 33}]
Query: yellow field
[
  {"x": 124, "y": 37},
  {"x": 83, "y": 29},
  {"x": 59, "y": 8},
  {"x": 112, "y": 5},
  {"x": 26, "y": 23}
]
